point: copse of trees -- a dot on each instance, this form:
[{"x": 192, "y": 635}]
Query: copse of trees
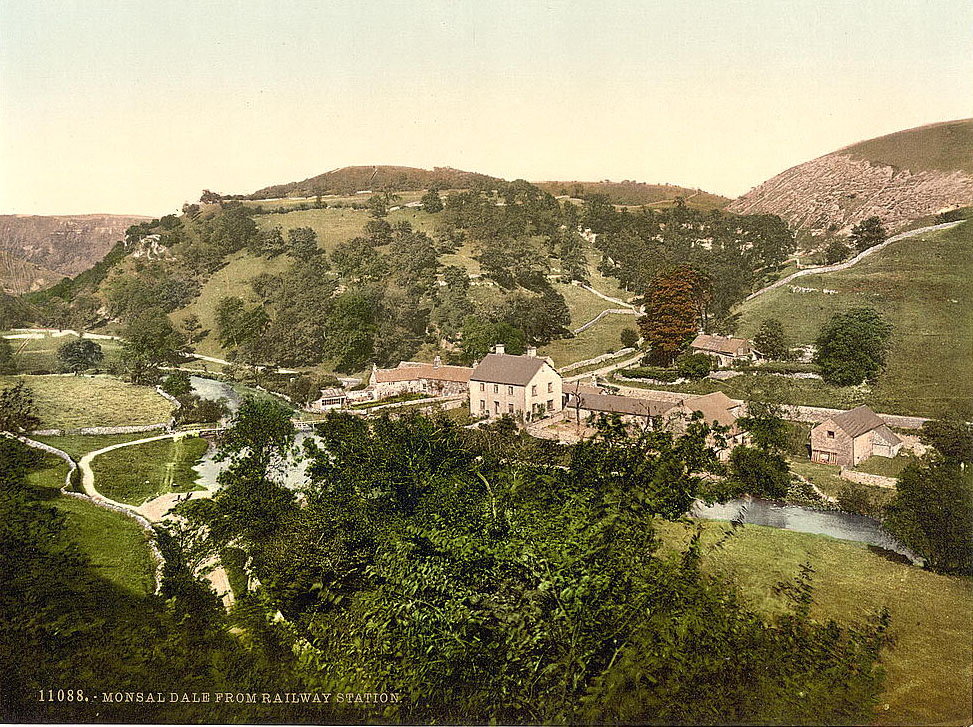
[
  {"x": 852, "y": 346},
  {"x": 867, "y": 233},
  {"x": 771, "y": 342},
  {"x": 492, "y": 590}
]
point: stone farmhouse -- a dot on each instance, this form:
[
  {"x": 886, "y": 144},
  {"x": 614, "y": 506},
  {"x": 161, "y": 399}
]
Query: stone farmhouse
[
  {"x": 717, "y": 409},
  {"x": 413, "y": 377},
  {"x": 852, "y": 436},
  {"x": 726, "y": 351},
  {"x": 584, "y": 401},
  {"x": 525, "y": 387}
]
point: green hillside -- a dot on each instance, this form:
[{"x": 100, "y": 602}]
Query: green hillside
[
  {"x": 349, "y": 180},
  {"x": 633, "y": 194},
  {"x": 944, "y": 147},
  {"x": 923, "y": 286}
]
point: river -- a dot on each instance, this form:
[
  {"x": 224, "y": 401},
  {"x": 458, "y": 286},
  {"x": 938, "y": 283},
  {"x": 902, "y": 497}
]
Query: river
[{"x": 841, "y": 525}]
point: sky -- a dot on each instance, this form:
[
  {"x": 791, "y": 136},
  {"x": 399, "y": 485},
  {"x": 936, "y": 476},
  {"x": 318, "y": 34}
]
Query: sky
[{"x": 134, "y": 107}]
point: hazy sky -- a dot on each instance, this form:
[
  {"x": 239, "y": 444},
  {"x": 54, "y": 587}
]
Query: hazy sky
[{"x": 134, "y": 107}]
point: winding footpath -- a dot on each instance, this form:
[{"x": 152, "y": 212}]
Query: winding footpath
[
  {"x": 855, "y": 260},
  {"x": 155, "y": 510}
]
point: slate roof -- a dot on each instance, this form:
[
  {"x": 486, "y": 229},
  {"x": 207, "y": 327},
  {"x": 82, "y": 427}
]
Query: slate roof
[
  {"x": 408, "y": 371},
  {"x": 714, "y": 407},
  {"x": 856, "y": 422},
  {"x": 613, "y": 404},
  {"x": 503, "y": 368},
  {"x": 718, "y": 344}
]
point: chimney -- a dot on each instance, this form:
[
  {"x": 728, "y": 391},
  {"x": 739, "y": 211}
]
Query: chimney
[
  {"x": 532, "y": 351},
  {"x": 437, "y": 362},
  {"x": 499, "y": 349}
]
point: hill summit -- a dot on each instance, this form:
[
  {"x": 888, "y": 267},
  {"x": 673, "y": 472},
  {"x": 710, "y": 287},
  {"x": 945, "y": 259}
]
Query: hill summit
[
  {"x": 348, "y": 180},
  {"x": 899, "y": 177}
]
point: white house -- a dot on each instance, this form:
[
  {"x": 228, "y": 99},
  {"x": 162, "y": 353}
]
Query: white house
[{"x": 525, "y": 387}]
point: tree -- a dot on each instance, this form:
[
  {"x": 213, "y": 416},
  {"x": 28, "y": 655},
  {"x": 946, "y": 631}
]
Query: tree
[
  {"x": 79, "y": 355},
  {"x": 149, "y": 341},
  {"x": 208, "y": 197},
  {"x": 770, "y": 340},
  {"x": 759, "y": 472},
  {"x": 177, "y": 384},
  {"x": 378, "y": 205},
  {"x": 852, "y": 346},
  {"x": 674, "y": 307},
  {"x": 765, "y": 423},
  {"x": 836, "y": 251},
  {"x": 629, "y": 337},
  {"x": 18, "y": 411},
  {"x": 432, "y": 202},
  {"x": 932, "y": 514},
  {"x": 953, "y": 439},
  {"x": 480, "y": 336},
  {"x": 867, "y": 233},
  {"x": 193, "y": 329},
  {"x": 303, "y": 243},
  {"x": 8, "y": 365},
  {"x": 694, "y": 366}
]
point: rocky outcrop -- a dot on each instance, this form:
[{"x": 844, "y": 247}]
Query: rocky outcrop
[
  {"x": 36, "y": 251},
  {"x": 839, "y": 189}
]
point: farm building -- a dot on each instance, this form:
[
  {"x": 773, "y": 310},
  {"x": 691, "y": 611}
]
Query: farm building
[
  {"x": 726, "y": 351},
  {"x": 717, "y": 409},
  {"x": 413, "y": 377},
  {"x": 853, "y": 436},
  {"x": 584, "y": 401}
]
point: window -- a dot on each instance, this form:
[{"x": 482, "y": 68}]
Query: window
[
  {"x": 482, "y": 404},
  {"x": 510, "y": 391},
  {"x": 550, "y": 404},
  {"x": 510, "y": 408},
  {"x": 830, "y": 435},
  {"x": 482, "y": 387},
  {"x": 550, "y": 387},
  {"x": 496, "y": 407},
  {"x": 825, "y": 456},
  {"x": 533, "y": 390},
  {"x": 496, "y": 388}
]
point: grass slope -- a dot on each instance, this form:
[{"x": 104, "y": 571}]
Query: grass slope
[
  {"x": 78, "y": 445},
  {"x": 71, "y": 402},
  {"x": 603, "y": 337},
  {"x": 115, "y": 544},
  {"x": 944, "y": 147},
  {"x": 923, "y": 286},
  {"x": 39, "y": 355},
  {"x": 929, "y": 666},
  {"x": 138, "y": 473}
]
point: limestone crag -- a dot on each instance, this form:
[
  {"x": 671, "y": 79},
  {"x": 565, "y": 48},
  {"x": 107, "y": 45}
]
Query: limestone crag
[{"x": 838, "y": 189}]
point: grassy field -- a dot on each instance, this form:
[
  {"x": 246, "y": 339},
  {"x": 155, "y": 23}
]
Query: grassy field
[
  {"x": 944, "y": 147},
  {"x": 78, "y": 445},
  {"x": 929, "y": 666},
  {"x": 923, "y": 286},
  {"x": 115, "y": 544},
  {"x": 50, "y": 471},
  {"x": 885, "y": 466},
  {"x": 71, "y": 402},
  {"x": 603, "y": 337},
  {"x": 138, "y": 473},
  {"x": 39, "y": 354},
  {"x": 583, "y": 304}
]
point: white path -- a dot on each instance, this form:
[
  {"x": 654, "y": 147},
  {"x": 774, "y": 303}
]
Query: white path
[
  {"x": 156, "y": 509},
  {"x": 855, "y": 260}
]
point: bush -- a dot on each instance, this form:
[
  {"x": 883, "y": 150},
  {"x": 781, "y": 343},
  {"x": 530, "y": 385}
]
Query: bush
[
  {"x": 177, "y": 384},
  {"x": 694, "y": 366},
  {"x": 786, "y": 367},
  {"x": 762, "y": 474},
  {"x": 629, "y": 337}
]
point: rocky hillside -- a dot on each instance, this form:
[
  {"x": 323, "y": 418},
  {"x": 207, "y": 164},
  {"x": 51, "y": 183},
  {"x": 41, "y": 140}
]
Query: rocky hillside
[
  {"x": 349, "y": 180},
  {"x": 36, "y": 250},
  {"x": 900, "y": 177}
]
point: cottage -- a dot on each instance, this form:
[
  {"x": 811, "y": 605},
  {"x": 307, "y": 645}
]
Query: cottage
[
  {"x": 526, "y": 387},
  {"x": 852, "y": 436},
  {"x": 331, "y": 399},
  {"x": 433, "y": 379},
  {"x": 717, "y": 409},
  {"x": 726, "y": 351},
  {"x": 584, "y": 401}
]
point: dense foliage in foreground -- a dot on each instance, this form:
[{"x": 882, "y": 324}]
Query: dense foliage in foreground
[{"x": 474, "y": 574}]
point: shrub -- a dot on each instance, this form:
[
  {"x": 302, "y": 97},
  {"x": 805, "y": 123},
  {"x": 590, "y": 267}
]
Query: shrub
[
  {"x": 694, "y": 366},
  {"x": 653, "y": 372},
  {"x": 760, "y": 473}
]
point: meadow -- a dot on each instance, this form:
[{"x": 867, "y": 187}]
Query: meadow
[
  {"x": 929, "y": 663},
  {"x": 114, "y": 542},
  {"x": 923, "y": 286},
  {"x": 39, "y": 355},
  {"x": 603, "y": 337},
  {"x": 143, "y": 471},
  {"x": 71, "y": 402}
]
